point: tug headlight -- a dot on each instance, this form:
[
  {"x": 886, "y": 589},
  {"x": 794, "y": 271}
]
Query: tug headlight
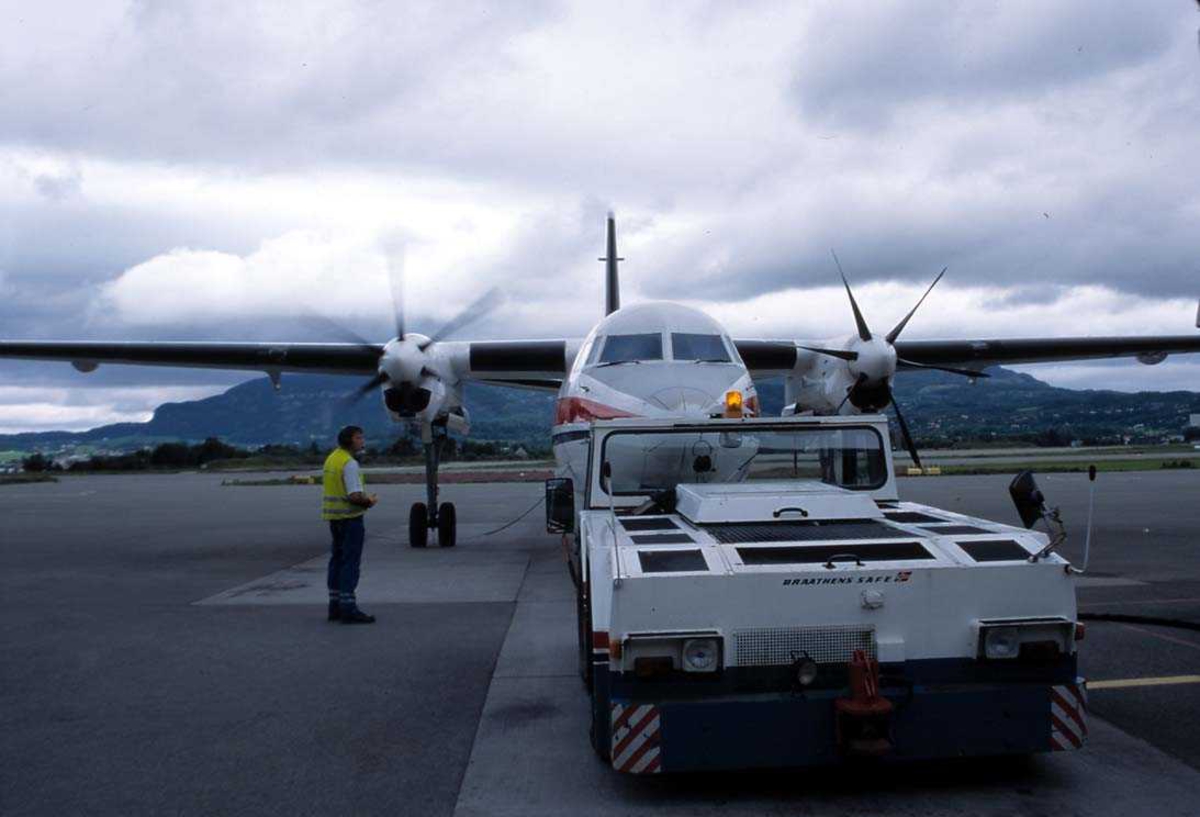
[
  {"x": 1001, "y": 642},
  {"x": 663, "y": 653},
  {"x": 700, "y": 655},
  {"x": 1030, "y": 639},
  {"x": 806, "y": 671}
]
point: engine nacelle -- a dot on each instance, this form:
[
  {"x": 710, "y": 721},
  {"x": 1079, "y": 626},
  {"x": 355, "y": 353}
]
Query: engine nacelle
[{"x": 406, "y": 400}]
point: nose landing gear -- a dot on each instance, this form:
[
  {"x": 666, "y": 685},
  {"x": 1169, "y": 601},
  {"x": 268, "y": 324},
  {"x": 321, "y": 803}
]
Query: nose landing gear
[{"x": 428, "y": 515}]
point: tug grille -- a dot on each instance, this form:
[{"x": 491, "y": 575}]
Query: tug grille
[{"x": 831, "y": 644}]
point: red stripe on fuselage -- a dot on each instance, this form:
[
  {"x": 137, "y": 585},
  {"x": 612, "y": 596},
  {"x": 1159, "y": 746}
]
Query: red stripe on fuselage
[{"x": 581, "y": 410}]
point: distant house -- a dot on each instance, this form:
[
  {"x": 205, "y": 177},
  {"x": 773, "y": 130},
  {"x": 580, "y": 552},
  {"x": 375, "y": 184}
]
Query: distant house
[{"x": 1194, "y": 421}]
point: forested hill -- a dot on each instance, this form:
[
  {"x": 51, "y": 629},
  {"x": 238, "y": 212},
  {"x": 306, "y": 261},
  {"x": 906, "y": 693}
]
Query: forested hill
[{"x": 939, "y": 407}]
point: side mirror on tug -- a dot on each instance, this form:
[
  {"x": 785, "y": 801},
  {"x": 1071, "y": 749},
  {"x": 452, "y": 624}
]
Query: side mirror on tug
[
  {"x": 560, "y": 506},
  {"x": 1030, "y": 502},
  {"x": 1031, "y": 505}
]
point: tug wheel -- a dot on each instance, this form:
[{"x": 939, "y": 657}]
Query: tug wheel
[
  {"x": 602, "y": 752},
  {"x": 418, "y": 525},
  {"x": 447, "y": 525},
  {"x": 584, "y": 632}
]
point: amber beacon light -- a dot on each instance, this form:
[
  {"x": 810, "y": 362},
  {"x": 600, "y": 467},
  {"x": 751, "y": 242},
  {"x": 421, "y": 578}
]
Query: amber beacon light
[{"x": 733, "y": 404}]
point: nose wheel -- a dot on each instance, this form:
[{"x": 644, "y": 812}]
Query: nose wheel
[
  {"x": 420, "y": 522},
  {"x": 418, "y": 525},
  {"x": 426, "y": 516}
]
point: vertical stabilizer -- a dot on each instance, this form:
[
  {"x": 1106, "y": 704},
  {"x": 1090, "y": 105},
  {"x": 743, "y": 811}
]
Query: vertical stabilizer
[{"x": 612, "y": 287}]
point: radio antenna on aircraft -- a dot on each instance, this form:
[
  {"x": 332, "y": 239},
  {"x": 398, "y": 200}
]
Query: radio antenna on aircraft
[{"x": 612, "y": 287}]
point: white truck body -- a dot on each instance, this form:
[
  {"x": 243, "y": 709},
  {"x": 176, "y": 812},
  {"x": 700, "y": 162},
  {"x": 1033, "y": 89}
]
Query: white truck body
[{"x": 782, "y": 577}]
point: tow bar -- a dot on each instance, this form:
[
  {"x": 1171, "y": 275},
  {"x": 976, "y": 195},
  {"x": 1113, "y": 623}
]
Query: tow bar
[{"x": 864, "y": 720}]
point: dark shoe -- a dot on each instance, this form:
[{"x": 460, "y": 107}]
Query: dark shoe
[
  {"x": 335, "y": 611},
  {"x": 357, "y": 617}
]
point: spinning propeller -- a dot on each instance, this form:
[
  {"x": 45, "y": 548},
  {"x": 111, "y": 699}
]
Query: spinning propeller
[
  {"x": 406, "y": 366},
  {"x": 873, "y": 361}
]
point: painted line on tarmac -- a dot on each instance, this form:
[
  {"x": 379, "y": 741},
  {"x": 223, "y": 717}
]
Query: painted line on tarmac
[
  {"x": 1163, "y": 636},
  {"x": 1127, "y": 683},
  {"x": 1090, "y": 605}
]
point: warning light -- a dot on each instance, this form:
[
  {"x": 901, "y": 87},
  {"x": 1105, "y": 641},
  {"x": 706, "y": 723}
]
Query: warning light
[{"x": 733, "y": 403}]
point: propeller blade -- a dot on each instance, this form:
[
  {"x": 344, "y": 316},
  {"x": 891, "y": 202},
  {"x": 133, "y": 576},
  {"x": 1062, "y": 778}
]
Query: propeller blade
[
  {"x": 394, "y": 259},
  {"x": 908, "y": 440},
  {"x": 895, "y": 333},
  {"x": 863, "y": 332},
  {"x": 841, "y": 354},
  {"x": 861, "y": 379},
  {"x": 477, "y": 309},
  {"x": 950, "y": 369},
  {"x": 366, "y": 388},
  {"x": 324, "y": 326}
]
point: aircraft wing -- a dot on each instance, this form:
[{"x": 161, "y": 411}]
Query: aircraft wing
[
  {"x": 328, "y": 358},
  {"x": 767, "y": 358},
  {"x": 977, "y": 354},
  {"x": 530, "y": 363}
]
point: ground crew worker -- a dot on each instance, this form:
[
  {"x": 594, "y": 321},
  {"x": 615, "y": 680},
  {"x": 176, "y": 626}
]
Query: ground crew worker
[{"x": 344, "y": 503}]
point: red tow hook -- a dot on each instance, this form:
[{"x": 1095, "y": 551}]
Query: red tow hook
[{"x": 864, "y": 720}]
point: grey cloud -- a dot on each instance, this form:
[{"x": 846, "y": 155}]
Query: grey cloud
[
  {"x": 913, "y": 94},
  {"x": 859, "y": 66},
  {"x": 248, "y": 84},
  {"x": 59, "y": 186}
]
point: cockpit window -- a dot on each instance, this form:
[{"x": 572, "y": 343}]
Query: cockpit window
[
  {"x": 686, "y": 346},
  {"x": 629, "y": 348},
  {"x": 594, "y": 352}
]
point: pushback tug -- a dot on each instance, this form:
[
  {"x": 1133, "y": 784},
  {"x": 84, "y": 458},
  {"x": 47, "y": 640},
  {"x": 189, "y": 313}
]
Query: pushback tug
[{"x": 752, "y": 592}]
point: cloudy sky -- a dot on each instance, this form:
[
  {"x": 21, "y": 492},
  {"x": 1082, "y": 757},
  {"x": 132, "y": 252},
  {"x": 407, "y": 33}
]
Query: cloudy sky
[{"x": 219, "y": 171}]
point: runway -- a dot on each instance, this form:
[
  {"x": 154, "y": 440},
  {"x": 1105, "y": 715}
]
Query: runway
[{"x": 166, "y": 651}]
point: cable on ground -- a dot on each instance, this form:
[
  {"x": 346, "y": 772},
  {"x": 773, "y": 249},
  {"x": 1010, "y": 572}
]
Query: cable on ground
[{"x": 515, "y": 521}]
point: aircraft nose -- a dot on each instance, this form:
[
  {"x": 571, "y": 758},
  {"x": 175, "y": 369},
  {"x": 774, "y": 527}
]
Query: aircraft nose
[{"x": 683, "y": 400}]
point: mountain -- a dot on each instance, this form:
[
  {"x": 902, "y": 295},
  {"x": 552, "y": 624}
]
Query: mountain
[{"x": 939, "y": 408}]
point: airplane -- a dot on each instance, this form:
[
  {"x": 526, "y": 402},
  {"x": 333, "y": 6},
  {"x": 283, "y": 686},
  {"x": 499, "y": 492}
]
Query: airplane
[{"x": 656, "y": 359}]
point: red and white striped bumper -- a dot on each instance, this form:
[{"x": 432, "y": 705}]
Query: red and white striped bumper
[
  {"x": 636, "y": 738},
  {"x": 1068, "y": 716}
]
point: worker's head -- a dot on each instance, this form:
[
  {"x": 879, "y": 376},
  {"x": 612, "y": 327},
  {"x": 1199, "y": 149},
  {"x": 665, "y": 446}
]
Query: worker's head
[{"x": 351, "y": 439}]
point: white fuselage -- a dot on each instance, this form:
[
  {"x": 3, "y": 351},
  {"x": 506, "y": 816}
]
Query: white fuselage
[{"x": 648, "y": 360}]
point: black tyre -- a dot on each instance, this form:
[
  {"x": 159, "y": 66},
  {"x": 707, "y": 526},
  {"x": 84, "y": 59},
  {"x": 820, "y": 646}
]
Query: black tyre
[
  {"x": 447, "y": 525},
  {"x": 583, "y": 629},
  {"x": 418, "y": 525},
  {"x": 603, "y": 751}
]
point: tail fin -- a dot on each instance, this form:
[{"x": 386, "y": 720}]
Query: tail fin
[{"x": 612, "y": 286}]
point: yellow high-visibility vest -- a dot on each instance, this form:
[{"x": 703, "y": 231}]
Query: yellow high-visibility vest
[{"x": 334, "y": 504}]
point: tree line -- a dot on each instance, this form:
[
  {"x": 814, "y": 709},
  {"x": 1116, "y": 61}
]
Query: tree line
[{"x": 183, "y": 456}]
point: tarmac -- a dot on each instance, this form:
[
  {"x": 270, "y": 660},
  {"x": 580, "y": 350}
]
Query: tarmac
[{"x": 166, "y": 651}]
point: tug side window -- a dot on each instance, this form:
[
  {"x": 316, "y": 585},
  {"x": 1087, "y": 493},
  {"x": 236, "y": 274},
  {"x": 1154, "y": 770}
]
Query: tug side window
[{"x": 652, "y": 460}]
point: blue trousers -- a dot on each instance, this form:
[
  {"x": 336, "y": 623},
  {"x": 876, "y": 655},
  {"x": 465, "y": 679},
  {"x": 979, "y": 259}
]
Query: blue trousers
[{"x": 345, "y": 559}]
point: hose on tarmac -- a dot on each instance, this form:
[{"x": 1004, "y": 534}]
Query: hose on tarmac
[{"x": 507, "y": 525}]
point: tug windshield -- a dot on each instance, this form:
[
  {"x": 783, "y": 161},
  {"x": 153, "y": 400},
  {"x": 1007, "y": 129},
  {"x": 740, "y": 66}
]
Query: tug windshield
[{"x": 648, "y": 461}]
